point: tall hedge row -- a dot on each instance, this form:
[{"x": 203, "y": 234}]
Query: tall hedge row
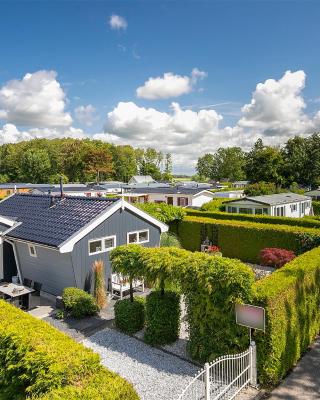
[
  {"x": 242, "y": 239},
  {"x": 316, "y": 207},
  {"x": 291, "y": 297},
  {"x": 37, "y": 361},
  {"x": 262, "y": 219}
]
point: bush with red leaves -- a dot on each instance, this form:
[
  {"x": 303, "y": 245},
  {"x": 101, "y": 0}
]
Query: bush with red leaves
[
  {"x": 275, "y": 257},
  {"x": 213, "y": 249}
]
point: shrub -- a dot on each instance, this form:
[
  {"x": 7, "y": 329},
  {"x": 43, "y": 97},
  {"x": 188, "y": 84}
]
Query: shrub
[
  {"x": 169, "y": 240},
  {"x": 129, "y": 315},
  {"x": 274, "y": 257},
  {"x": 291, "y": 298},
  {"x": 242, "y": 239},
  {"x": 216, "y": 204},
  {"x": 262, "y": 188},
  {"x": 162, "y": 318},
  {"x": 163, "y": 212},
  {"x": 37, "y": 361},
  {"x": 78, "y": 302},
  {"x": 99, "y": 284}
]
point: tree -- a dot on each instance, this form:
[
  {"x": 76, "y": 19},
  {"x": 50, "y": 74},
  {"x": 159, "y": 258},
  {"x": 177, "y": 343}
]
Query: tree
[
  {"x": 35, "y": 166},
  {"x": 264, "y": 163},
  {"x": 99, "y": 160},
  {"x": 125, "y": 163},
  {"x": 167, "y": 172},
  {"x": 296, "y": 166},
  {"x": 229, "y": 163},
  {"x": 205, "y": 166}
]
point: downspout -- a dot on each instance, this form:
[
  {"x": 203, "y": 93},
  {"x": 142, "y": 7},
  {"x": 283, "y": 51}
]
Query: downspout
[{"x": 15, "y": 258}]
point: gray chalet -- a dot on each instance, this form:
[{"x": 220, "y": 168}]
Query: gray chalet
[{"x": 55, "y": 240}]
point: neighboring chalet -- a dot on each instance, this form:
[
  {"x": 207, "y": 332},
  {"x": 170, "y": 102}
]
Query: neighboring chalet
[
  {"x": 6, "y": 189},
  {"x": 240, "y": 184},
  {"x": 314, "y": 194},
  {"x": 76, "y": 189},
  {"x": 230, "y": 194},
  {"x": 141, "y": 179},
  {"x": 277, "y": 205},
  {"x": 176, "y": 196},
  {"x": 55, "y": 240}
]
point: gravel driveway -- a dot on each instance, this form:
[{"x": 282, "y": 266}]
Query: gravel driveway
[{"x": 155, "y": 374}]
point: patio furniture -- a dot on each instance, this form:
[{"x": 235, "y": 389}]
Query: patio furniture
[
  {"x": 27, "y": 282},
  {"x": 17, "y": 295},
  {"x": 120, "y": 285}
]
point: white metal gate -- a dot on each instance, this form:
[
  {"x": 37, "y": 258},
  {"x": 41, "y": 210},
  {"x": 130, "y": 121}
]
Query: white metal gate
[{"x": 224, "y": 378}]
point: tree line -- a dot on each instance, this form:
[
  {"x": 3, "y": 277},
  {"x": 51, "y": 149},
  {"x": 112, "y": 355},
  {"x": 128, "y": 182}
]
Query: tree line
[
  {"x": 45, "y": 160},
  {"x": 296, "y": 162}
]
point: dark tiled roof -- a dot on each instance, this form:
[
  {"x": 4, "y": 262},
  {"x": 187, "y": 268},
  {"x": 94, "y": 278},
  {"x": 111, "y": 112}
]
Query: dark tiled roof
[
  {"x": 51, "y": 225},
  {"x": 167, "y": 190}
]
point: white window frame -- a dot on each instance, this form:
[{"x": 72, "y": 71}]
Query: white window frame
[
  {"x": 103, "y": 248},
  {"x": 137, "y": 233},
  {"x": 32, "y": 246}
]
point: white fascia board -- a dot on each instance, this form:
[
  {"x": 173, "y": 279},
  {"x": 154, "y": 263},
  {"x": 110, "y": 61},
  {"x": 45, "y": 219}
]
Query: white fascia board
[
  {"x": 7, "y": 221},
  {"x": 204, "y": 191},
  {"x": 67, "y": 246}
]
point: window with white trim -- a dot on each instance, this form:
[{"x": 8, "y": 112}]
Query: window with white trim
[
  {"x": 101, "y": 245},
  {"x": 32, "y": 250},
  {"x": 138, "y": 236}
]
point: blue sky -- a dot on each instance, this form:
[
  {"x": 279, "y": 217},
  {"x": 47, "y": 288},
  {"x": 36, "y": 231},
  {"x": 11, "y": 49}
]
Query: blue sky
[{"x": 237, "y": 44}]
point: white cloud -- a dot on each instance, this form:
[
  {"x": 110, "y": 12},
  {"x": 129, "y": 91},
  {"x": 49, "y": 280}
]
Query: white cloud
[
  {"x": 277, "y": 107},
  {"x": 169, "y": 85},
  {"x": 11, "y": 134},
  {"x": 86, "y": 114},
  {"x": 117, "y": 22},
  {"x": 35, "y": 100}
]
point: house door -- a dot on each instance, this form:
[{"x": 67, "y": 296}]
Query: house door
[
  {"x": 9, "y": 262},
  {"x": 170, "y": 200}
]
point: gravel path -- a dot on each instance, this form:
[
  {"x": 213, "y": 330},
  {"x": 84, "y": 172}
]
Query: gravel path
[{"x": 155, "y": 374}]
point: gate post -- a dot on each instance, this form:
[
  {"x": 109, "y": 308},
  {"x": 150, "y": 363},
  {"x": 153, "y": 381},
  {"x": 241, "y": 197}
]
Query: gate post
[
  {"x": 207, "y": 381},
  {"x": 253, "y": 362}
]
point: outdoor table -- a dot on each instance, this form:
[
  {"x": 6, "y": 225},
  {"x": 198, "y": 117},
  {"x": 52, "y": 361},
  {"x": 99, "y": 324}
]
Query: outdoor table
[{"x": 15, "y": 292}]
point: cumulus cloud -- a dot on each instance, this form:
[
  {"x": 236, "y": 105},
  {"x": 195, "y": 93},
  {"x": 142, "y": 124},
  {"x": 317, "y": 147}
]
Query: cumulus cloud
[
  {"x": 117, "y": 22},
  {"x": 35, "y": 100},
  {"x": 11, "y": 134},
  {"x": 169, "y": 85},
  {"x": 85, "y": 114}
]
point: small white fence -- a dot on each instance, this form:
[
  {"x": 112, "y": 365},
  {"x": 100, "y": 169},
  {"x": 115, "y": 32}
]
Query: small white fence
[{"x": 224, "y": 378}]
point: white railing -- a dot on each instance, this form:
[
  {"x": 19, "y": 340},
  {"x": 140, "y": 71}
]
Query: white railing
[{"x": 224, "y": 378}]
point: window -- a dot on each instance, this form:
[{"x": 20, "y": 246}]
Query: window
[
  {"x": 293, "y": 207},
  {"x": 32, "y": 250},
  {"x": 232, "y": 210},
  {"x": 138, "y": 236},
  {"x": 265, "y": 211},
  {"x": 182, "y": 201},
  {"x": 101, "y": 245},
  {"x": 280, "y": 212},
  {"x": 258, "y": 211},
  {"x": 245, "y": 210}
]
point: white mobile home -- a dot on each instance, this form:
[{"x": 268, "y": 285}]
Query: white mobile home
[{"x": 277, "y": 205}]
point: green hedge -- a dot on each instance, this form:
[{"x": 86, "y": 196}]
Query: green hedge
[
  {"x": 129, "y": 315},
  {"x": 38, "y": 361},
  {"x": 291, "y": 297},
  {"x": 242, "y": 239},
  {"x": 162, "y": 211},
  {"x": 162, "y": 318},
  {"x": 316, "y": 207},
  {"x": 78, "y": 302},
  {"x": 216, "y": 204},
  {"x": 263, "y": 219}
]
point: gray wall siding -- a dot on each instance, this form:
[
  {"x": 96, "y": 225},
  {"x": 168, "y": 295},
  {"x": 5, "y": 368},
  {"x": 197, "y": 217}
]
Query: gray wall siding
[
  {"x": 118, "y": 224},
  {"x": 51, "y": 268}
]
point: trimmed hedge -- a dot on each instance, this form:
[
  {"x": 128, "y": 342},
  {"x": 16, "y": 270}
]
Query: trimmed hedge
[
  {"x": 291, "y": 298},
  {"x": 242, "y": 239},
  {"x": 78, "y": 302},
  {"x": 38, "y": 361},
  {"x": 316, "y": 207},
  {"x": 262, "y": 219},
  {"x": 162, "y": 318},
  {"x": 129, "y": 315},
  {"x": 216, "y": 204}
]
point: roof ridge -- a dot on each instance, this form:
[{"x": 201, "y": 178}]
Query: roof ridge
[{"x": 93, "y": 198}]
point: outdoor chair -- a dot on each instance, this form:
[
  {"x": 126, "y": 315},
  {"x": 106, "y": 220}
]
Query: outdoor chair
[
  {"x": 27, "y": 282},
  {"x": 120, "y": 285}
]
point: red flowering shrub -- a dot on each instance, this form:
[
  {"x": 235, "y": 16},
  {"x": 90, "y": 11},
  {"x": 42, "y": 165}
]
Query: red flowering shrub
[
  {"x": 213, "y": 249},
  {"x": 275, "y": 257}
]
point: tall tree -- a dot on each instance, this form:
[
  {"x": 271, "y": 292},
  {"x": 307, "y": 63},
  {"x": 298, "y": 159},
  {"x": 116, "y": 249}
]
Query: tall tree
[
  {"x": 124, "y": 161},
  {"x": 167, "y": 171},
  {"x": 99, "y": 162},
  {"x": 264, "y": 163},
  {"x": 205, "y": 166},
  {"x": 35, "y": 166},
  {"x": 229, "y": 163}
]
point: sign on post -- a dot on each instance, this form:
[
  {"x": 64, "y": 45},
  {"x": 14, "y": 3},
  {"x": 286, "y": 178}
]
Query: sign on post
[{"x": 250, "y": 316}]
